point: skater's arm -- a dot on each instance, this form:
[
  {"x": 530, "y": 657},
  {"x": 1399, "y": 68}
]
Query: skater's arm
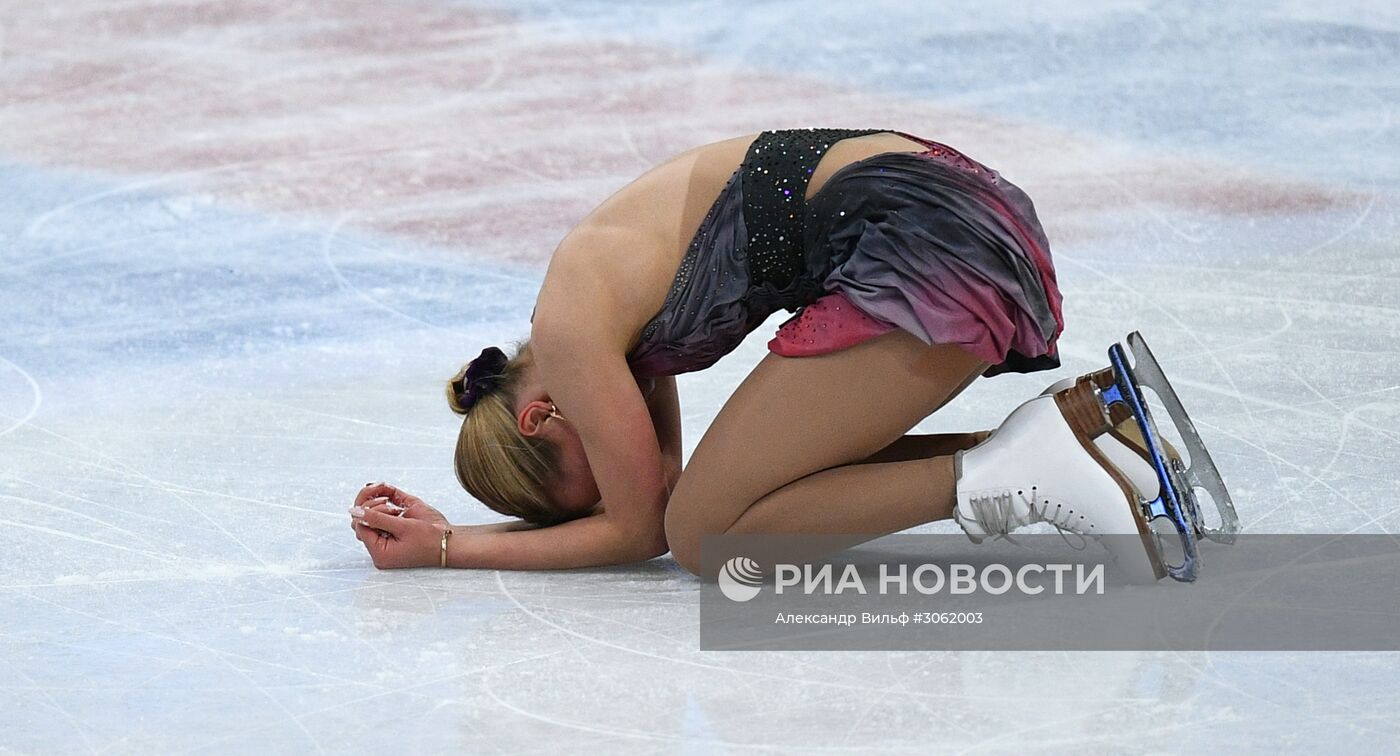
[
  {"x": 508, "y": 526},
  {"x": 591, "y": 541},
  {"x": 583, "y": 368},
  {"x": 595, "y": 540},
  {"x": 664, "y": 405}
]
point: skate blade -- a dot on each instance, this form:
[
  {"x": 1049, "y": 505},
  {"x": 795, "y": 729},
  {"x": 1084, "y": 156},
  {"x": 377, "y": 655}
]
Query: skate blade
[
  {"x": 1202, "y": 471},
  {"x": 1176, "y": 498}
]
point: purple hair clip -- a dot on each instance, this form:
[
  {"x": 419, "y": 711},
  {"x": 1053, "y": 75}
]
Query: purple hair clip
[{"x": 482, "y": 375}]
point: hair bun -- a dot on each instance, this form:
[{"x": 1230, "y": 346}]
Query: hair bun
[{"x": 479, "y": 378}]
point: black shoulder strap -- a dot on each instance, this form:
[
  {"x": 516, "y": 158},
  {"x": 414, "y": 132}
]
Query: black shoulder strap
[{"x": 777, "y": 168}]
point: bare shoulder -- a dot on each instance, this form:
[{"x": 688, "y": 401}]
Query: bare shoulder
[{"x": 578, "y": 300}]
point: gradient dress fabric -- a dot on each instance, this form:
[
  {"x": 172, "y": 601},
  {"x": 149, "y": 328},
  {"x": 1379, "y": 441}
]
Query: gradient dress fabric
[{"x": 932, "y": 242}]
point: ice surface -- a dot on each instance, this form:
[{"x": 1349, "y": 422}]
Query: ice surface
[{"x": 243, "y": 243}]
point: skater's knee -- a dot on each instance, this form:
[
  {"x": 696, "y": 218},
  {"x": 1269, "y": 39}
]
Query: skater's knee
[
  {"x": 690, "y": 517},
  {"x": 685, "y": 546},
  {"x": 688, "y": 558},
  {"x": 683, "y": 533},
  {"x": 711, "y": 498}
]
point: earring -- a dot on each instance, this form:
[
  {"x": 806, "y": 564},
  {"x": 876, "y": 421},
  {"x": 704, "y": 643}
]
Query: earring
[{"x": 554, "y": 411}]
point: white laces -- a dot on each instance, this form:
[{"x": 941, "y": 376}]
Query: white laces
[{"x": 996, "y": 515}]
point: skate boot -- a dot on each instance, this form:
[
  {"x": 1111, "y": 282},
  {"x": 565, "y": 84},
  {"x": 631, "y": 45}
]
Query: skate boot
[
  {"x": 1035, "y": 468},
  {"x": 1107, "y": 409}
]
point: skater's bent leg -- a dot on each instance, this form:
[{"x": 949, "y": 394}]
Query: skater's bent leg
[
  {"x": 908, "y": 483},
  {"x": 869, "y": 498},
  {"x": 926, "y": 445},
  {"x": 818, "y": 418}
]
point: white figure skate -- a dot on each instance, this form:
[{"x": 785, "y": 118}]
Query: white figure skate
[
  {"x": 1034, "y": 468},
  {"x": 1110, "y": 420}
]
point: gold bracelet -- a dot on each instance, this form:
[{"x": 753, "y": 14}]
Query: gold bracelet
[{"x": 445, "y": 533}]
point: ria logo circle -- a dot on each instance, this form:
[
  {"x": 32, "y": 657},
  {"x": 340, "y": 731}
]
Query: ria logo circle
[{"x": 740, "y": 579}]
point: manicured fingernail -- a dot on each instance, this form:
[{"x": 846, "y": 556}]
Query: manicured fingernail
[{"x": 357, "y": 511}]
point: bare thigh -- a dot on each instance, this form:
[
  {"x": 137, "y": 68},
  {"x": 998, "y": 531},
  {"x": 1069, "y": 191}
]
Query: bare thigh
[{"x": 793, "y": 416}]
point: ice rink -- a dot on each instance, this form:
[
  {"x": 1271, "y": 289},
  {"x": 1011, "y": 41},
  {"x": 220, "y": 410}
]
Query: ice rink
[{"x": 244, "y": 242}]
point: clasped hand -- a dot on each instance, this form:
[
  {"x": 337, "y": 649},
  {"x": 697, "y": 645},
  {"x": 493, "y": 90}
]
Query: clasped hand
[{"x": 397, "y": 528}]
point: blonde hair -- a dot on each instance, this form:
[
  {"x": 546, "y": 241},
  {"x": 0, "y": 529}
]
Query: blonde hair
[{"x": 495, "y": 463}]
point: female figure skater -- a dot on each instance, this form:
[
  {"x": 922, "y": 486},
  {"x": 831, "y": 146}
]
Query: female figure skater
[{"x": 911, "y": 269}]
